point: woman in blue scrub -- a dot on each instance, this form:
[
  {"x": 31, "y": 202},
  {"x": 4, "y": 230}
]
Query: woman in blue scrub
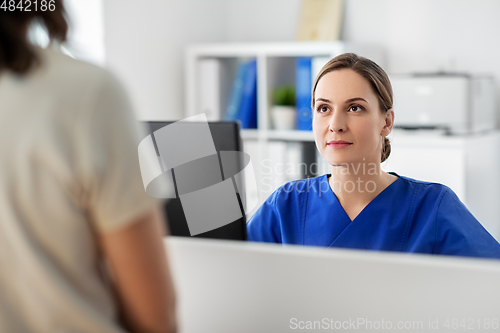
[{"x": 358, "y": 205}]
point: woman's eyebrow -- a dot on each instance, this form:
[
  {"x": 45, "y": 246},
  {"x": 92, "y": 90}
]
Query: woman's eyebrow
[
  {"x": 356, "y": 99},
  {"x": 350, "y": 100}
]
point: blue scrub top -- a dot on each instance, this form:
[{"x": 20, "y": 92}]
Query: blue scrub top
[{"x": 408, "y": 216}]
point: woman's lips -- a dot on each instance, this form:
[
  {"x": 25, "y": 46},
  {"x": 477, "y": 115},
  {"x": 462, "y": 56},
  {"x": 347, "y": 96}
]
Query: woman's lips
[{"x": 338, "y": 144}]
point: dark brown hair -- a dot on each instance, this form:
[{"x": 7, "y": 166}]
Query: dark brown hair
[
  {"x": 376, "y": 76},
  {"x": 16, "y": 52}
]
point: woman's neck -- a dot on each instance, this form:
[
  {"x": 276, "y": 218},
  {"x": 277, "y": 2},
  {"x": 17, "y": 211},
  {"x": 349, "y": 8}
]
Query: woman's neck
[{"x": 356, "y": 184}]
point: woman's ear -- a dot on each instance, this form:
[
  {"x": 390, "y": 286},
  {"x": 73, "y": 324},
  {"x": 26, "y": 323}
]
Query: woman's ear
[{"x": 388, "y": 122}]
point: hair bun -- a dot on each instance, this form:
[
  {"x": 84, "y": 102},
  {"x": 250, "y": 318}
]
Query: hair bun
[{"x": 386, "y": 149}]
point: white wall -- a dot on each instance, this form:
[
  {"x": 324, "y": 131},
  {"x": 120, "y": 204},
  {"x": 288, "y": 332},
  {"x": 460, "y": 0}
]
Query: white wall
[
  {"x": 429, "y": 35},
  {"x": 86, "y": 30},
  {"x": 144, "y": 46},
  {"x": 261, "y": 20},
  {"x": 144, "y": 41}
]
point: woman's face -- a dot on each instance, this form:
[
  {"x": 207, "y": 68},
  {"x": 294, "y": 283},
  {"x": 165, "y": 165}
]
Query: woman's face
[{"x": 348, "y": 125}]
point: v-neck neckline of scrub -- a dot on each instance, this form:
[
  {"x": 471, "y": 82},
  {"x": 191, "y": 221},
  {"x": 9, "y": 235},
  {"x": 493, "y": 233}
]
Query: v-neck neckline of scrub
[{"x": 327, "y": 176}]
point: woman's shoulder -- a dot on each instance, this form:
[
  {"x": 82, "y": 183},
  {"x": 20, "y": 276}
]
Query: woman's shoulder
[
  {"x": 426, "y": 193},
  {"x": 59, "y": 69},
  {"x": 423, "y": 185},
  {"x": 69, "y": 81}
]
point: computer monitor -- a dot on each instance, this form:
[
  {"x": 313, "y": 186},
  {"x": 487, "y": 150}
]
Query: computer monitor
[
  {"x": 226, "y": 137},
  {"x": 248, "y": 287}
]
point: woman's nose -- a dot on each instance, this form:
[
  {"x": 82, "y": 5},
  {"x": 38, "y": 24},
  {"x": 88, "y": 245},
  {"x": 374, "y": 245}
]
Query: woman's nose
[{"x": 337, "y": 122}]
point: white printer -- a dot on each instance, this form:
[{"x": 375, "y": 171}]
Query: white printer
[{"x": 459, "y": 103}]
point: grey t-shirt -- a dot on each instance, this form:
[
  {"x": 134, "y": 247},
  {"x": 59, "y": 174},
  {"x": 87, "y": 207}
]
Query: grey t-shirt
[{"x": 68, "y": 170}]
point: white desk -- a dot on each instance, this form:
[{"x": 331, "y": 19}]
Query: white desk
[{"x": 239, "y": 287}]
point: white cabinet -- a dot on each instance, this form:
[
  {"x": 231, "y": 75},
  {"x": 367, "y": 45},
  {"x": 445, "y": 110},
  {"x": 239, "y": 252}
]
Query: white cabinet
[{"x": 467, "y": 164}]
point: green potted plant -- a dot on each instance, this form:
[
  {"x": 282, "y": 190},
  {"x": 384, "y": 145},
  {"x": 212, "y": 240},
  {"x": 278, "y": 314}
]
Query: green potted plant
[{"x": 283, "y": 113}]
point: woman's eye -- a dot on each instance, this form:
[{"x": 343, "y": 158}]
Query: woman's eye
[
  {"x": 322, "y": 109},
  {"x": 355, "y": 108}
]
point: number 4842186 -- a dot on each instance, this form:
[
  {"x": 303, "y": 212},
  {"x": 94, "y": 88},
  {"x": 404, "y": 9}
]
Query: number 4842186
[
  {"x": 471, "y": 324},
  {"x": 28, "y": 5}
]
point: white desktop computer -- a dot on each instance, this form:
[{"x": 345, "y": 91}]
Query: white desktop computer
[{"x": 238, "y": 287}]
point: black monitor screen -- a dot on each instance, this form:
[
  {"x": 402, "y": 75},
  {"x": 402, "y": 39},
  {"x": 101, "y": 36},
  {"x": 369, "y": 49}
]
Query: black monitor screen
[{"x": 226, "y": 137}]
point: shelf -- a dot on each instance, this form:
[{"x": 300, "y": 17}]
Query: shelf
[
  {"x": 430, "y": 139},
  {"x": 291, "y": 135},
  {"x": 250, "y": 134},
  {"x": 275, "y": 67},
  {"x": 289, "y": 49}
]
